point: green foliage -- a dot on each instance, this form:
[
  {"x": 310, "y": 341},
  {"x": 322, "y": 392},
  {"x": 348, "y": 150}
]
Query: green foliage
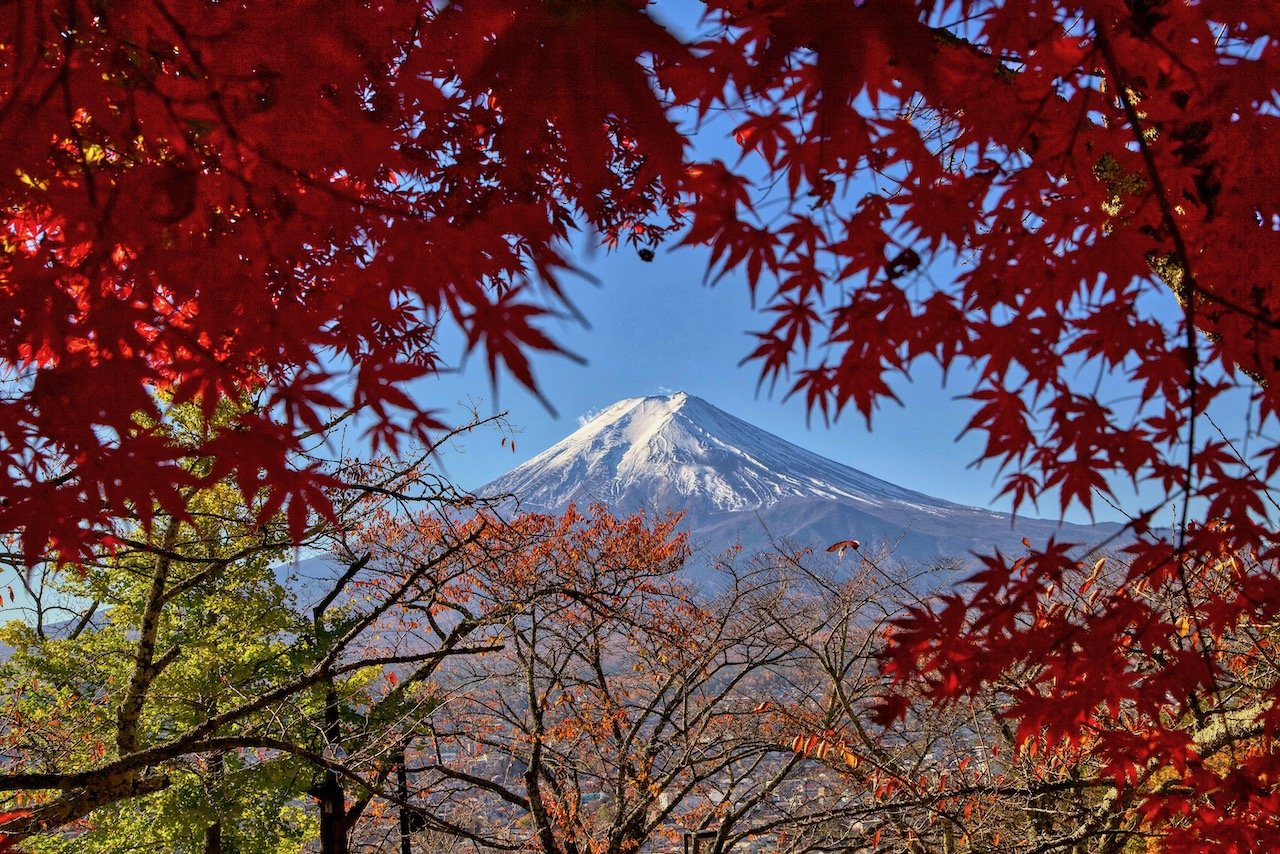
[
  {"x": 259, "y": 809},
  {"x": 225, "y": 629},
  {"x": 234, "y": 634}
]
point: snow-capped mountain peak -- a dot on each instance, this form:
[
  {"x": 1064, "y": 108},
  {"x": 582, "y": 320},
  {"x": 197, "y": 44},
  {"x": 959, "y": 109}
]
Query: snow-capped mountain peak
[
  {"x": 736, "y": 483},
  {"x": 681, "y": 450}
]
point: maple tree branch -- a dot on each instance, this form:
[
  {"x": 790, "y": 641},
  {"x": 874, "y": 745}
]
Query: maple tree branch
[
  {"x": 85, "y": 619},
  {"x": 113, "y": 787},
  {"x": 77, "y": 804},
  {"x": 472, "y": 780},
  {"x": 145, "y": 669},
  {"x": 353, "y": 569},
  {"x": 429, "y": 657}
]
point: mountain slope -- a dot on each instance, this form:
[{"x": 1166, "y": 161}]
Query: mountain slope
[{"x": 738, "y": 483}]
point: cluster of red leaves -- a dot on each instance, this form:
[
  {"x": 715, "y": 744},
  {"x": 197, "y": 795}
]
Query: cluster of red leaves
[
  {"x": 1034, "y": 191},
  {"x": 577, "y": 563},
  {"x": 1155, "y": 670},
  {"x": 218, "y": 199},
  {"x": 7, "y": 842},
  {"x": 1072, "y": 206}
]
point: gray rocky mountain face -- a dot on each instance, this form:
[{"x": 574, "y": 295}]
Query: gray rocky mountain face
[{"x": 737, "y": 483}]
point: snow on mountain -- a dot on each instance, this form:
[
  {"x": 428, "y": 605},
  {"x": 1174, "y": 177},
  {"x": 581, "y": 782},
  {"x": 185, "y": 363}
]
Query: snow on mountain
[{"x": 736, "y": 482}]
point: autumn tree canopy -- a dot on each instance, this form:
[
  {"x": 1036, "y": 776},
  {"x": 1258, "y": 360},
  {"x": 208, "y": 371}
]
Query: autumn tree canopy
[{"x": 1037, "y": 192}]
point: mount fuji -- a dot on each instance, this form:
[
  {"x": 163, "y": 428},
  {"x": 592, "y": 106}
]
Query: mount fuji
[{"x": 737, "y": 483}]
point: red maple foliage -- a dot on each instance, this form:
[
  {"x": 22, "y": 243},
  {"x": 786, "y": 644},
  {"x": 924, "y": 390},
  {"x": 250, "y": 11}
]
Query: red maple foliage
[
  {"x": 205, "y": 198},
  {"x": 208, "y": 198},
  {"x": 1059, "y": 193}
]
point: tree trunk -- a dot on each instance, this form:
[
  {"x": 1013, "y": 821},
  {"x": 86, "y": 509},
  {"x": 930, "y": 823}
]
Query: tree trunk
[
  {"x": 402, "y": 789},
  {"x": 330, "y": 794},
  {"x": 213, "y": 839},
  {"x": 333, "y": 815},
  {"x": 217, "y": 770}
]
